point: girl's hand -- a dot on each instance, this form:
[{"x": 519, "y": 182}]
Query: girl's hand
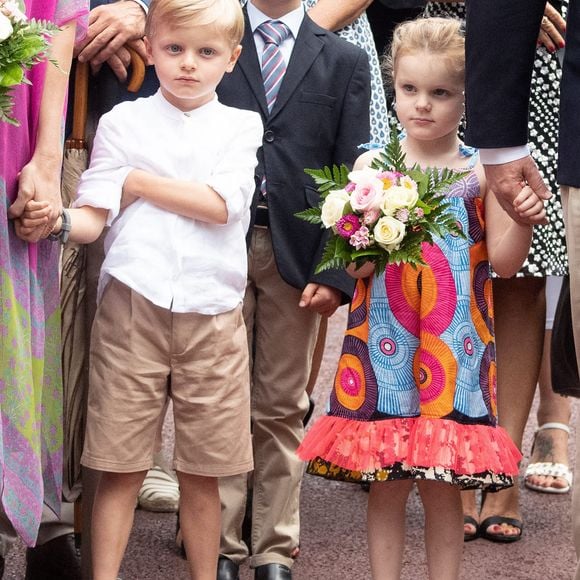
[
  {"x": 528, "y": 205},
  {"x": 552, "y": 30},
  {"x": 366, "y": 270}
]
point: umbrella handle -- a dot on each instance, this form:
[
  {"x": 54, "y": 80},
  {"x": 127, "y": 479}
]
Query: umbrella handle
[
  {"x": 80, "y": 102},
  {"x": 137, "y": 71}
]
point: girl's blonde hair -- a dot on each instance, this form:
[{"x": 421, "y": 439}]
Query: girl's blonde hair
[
  {"x": 436, "y": 36},
  {"x": 226, "y": 15}
]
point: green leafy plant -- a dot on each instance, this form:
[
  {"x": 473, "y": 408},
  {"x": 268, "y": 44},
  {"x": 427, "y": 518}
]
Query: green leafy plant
[
  {"x": 383, "y": 213},
  {"x": 23, "y": 43}
]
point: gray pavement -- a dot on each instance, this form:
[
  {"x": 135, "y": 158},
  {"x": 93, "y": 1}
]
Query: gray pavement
[{"x": 333, "y": 543}]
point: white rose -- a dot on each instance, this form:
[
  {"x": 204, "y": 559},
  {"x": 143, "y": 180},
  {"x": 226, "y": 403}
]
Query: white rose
[
  {"x": 333, "y": 207},
  {"x": 397, "y": 197},
  {"x": 5, "y": 27},
  {"x": 362, "y": 175},
  {"x": 389, "y": 233},
  {"x": 12, "y": 9}
]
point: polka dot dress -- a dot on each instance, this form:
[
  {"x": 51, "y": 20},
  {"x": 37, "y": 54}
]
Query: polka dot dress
[{"x": 547, "y": 255}]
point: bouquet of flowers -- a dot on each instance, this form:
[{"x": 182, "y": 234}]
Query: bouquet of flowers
[
  {"x": 23, "y": 43},
  {"x": 382, "y": 213}
]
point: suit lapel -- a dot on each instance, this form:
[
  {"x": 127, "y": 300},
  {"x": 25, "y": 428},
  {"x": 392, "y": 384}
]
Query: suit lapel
[
  {"x": 250, "y": 65},
  {"x": 307, "y": 47}
]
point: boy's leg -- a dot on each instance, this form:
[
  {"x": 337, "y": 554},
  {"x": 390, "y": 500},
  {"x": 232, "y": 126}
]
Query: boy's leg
[
  {"x": 113, "y": 511},
  {"x": 199, "y": 515}
]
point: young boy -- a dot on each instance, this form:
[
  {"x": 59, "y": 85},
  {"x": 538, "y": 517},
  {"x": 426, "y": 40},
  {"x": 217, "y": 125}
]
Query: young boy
[
  {"x": 181, "y": 165},
  {"x": 312, "y": 90}
]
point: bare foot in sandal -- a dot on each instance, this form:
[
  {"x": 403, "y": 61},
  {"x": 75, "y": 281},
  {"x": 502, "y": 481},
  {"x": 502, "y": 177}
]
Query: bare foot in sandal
[
  {"x": 470, "y": 516},
  {"x": 500, "y": 519},
  {"x": 548, "y": 469}
]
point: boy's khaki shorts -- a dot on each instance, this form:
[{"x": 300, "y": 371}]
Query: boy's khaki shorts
[{"x": 140, "y": 355}]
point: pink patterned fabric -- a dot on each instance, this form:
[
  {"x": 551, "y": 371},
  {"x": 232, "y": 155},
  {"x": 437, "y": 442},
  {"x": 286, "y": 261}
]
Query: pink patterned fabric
[{"x": 30, "y": 377}]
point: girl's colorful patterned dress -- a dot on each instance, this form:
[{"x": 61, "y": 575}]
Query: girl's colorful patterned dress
[
  {"x": 415, "y": 391},
  {"x": 30, "y": 379}
]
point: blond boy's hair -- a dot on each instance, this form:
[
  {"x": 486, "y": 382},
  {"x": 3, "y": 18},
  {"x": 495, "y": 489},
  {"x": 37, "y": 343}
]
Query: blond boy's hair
[
  {"x": 226, "y": 15},
  {"x": 436, "y": 36}
]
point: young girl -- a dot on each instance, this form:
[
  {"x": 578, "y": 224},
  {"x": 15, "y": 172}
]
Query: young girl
[{"x": 414, "y": 394}]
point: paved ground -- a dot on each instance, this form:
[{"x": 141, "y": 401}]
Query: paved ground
[{"x": 333, "y": 530}]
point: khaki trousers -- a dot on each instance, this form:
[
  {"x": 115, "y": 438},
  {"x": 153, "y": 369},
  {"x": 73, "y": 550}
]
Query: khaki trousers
[
  {"x": 281, "y": 337},
  {"x": 571, "y": 208}
]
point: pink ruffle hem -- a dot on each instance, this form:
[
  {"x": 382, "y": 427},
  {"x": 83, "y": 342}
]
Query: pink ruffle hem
[{"x": 367, "y": 446}]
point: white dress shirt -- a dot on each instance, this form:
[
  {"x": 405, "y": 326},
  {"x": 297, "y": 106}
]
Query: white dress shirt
[
  {"x": 178, "y": 263},
  {"x": 293, "y": 20},
  {"x": 502, "y": 155}
]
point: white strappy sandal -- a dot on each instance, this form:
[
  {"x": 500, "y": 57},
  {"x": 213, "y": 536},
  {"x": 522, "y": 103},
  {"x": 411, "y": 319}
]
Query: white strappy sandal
[{"x": 548, "y": 469}]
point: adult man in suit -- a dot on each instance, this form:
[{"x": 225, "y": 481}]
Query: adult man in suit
[
  {"x": 319, "y": 117},
  {"x": 497, "y": 106}
]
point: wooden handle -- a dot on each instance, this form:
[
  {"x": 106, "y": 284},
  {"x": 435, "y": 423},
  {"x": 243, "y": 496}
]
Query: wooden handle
[
  {"x": 80, "y": 101},
  {"x": 137, "y": 71}
]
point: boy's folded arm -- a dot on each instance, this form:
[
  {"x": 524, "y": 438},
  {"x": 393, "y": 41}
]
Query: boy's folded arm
[
  {"x": 224, "y": 197},
  {"x": 191, "y": 199},
  {"x": 233, "y": 177}
]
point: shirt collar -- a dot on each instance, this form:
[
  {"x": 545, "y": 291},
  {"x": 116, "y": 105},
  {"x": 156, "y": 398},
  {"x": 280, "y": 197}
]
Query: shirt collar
[
  {"x": 293, "y": 19},
  {"x": 170, "y": 110}
]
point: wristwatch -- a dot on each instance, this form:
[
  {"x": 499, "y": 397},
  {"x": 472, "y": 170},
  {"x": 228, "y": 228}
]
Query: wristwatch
[{"x": 62, "y": 236}]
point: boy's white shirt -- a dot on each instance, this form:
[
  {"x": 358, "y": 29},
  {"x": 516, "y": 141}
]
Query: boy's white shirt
[{"x": 178, "y": 263}]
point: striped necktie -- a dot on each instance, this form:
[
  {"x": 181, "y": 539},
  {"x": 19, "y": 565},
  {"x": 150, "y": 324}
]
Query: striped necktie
[{"x": 274, "y": 33}]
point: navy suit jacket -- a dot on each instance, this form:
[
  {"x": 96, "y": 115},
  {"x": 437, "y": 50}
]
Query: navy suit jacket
[
  {"x": 500, "y": 49},
  {"x": 320, "y": 117}
]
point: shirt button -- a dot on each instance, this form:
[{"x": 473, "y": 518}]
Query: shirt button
[{"x": 269, "y": 136}]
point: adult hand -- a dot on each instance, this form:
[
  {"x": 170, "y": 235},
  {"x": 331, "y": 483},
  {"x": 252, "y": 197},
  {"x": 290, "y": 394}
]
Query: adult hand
[
  {"x": 110, "y": 27},
  {"x": 552, "y": 30},
  {"x": 39, "y": 180},
  {"x": 508, "y": 179},
  {"x": 320, "y": 298}
]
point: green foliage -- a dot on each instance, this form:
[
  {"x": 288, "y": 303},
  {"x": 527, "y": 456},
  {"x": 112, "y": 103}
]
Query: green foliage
[
  {"x": 26, "y": 46},
  {"x": 328, "y": 179},
  {"x": 392, "y": 158},
  {"x": 312, "y": 215}
]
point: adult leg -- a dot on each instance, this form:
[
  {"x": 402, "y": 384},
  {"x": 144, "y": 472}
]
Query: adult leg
[
  {"x": 7, "y": 538},
  {"x": 113, "y": 513},
  {"x": 520, "y": 315},
  {"x": 56, "y": 555},
  {"x": 386, "y": 527},
  {"x": 283, "y": 344},
  {"x": 90, "y": 480},
  {"x": 199, "y": 513},
  {"x": 550, "y": 445},
  {"x": 443, "y": 529},
  {"x": 470, "y": 514},
  {"x": 571, "y": 208}
]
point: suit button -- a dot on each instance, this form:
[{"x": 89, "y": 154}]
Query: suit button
[{"x": 269, "y": 136}]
